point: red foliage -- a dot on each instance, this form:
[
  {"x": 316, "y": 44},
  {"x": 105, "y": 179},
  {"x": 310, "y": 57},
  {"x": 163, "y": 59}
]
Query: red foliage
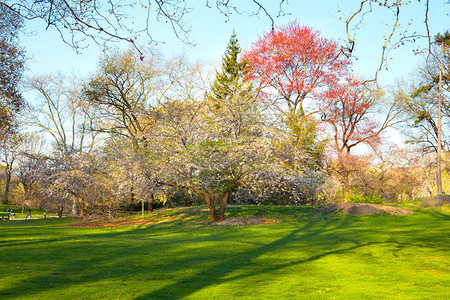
[
  {"x": 347, "y": 109},
  {"x": 294, "y": 60}
]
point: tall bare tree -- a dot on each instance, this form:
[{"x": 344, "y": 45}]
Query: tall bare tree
[
  {"x": 60, "y": 113},
  {"x": 9, "y": 151}
]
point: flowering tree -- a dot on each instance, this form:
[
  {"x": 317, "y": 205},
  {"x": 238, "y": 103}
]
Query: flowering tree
[
  {"x": 130, "y": 175},
  {"x": 209, "y": 146},
  {"x": 293, "y": 61},
  {"x": 349, "y": 110},
  {"x": 284, "y": 174},
  {"x": 31, "y": 147},
  {"x": 72, "y": 183},
  {"x": 127, "y": 93},
  {"x": 62, "y": 114},
  {"x": 9, "y": 151},
  {"x": 201, "y": 150}
]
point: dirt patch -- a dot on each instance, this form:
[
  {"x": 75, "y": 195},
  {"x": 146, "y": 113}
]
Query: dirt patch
[
  {"x": 246, "y": 221},
  {"x": 363, "y": 209},
  {"x": 441, "y": 200}
]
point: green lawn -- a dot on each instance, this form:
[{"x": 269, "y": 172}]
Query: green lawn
[
  {"x": 17, "y": 212},
  {"x": 306, "y": 255}
]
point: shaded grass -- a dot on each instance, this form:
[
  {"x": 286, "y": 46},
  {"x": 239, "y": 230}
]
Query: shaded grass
[{"x": 306, "y": 255}]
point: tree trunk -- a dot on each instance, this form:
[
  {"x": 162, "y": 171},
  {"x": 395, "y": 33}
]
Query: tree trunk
[
  {"x": 219, "y": 215},
  {"x": 346, "y": 183},
  {"x": 74, "y": 208},
  {"x": 223, "y": 205},
  {"x": 209, "y": 199},
  {"x": 143, "y": 208},
  {"x": 59, "y": 211},
  {"x": 439, "y": 145},
  {"x": 132, "y": 195},
  {"x": 150, "y": 203},
  {"x": 81, "y": 206},
  {"x": 7, "y": 184}
]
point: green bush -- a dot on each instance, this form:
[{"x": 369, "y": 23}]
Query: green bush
[
  {"x": 137, "y": 206},
  {"x": 16, "y": 209},
  {"x": 375, "y": 199},
  {"x": 182, "y": 198}
]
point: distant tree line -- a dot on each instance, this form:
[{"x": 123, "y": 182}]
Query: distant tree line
[{"x": 278, "y": 123}]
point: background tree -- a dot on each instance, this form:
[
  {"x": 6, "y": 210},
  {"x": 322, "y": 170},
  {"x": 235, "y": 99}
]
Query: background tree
[
  {"x": 12, "y": 61},
  {"x": 424, "y": 107},
  {"x": 444, "y": 40},
  {"x": 400, "y": 28},
  {"x": 123, "y": 90},
  {"x": 212, "y": 145},
  {"x": 9, "y": 151},
  {"x": 61, "y": 113},
  {"x": 31, "y": 150},
  {"x": 232, "y": 96},
  {"x": 291, "y": 64},
  {"x": 79, "y": 21},
  {"x": 126, "y": 91},
  {"x": 350, "y": 110}
]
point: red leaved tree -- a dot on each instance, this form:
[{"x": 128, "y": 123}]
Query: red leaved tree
[
  {"x": 349, "y": 108},
  {"x": 294, "y": 61}
]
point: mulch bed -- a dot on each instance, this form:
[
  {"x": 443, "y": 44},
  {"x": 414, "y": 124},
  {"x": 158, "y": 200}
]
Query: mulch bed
[
  {"x": 361, "y": 209},
  {"x": 441, "y": 200}
]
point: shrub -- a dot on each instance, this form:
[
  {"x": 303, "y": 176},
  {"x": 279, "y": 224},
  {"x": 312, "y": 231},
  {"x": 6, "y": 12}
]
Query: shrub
[
  {"x": 375, "y": 199},
  {"x": 182, "y": 198}
]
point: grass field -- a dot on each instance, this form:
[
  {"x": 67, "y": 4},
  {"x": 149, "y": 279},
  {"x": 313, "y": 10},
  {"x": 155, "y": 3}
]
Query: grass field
[
  {"x": 179, "y": 255},
  {"x": 17, "y": 212}
]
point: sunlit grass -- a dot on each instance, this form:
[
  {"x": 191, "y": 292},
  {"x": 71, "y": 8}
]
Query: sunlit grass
[
  {"x": 17, "y": 212},
  {"x": 180, "y": 254}
]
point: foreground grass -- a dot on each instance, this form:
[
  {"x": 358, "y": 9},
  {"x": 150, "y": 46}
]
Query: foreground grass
[{"x": 305, "y": 255}]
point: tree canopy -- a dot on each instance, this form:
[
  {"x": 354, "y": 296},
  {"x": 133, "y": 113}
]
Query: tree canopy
[{"x": 12, "y": 60}]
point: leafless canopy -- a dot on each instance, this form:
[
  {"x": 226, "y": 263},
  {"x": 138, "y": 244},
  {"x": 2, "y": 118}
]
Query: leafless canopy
[
  {"x": 399, "y": 34},
  {"x": 80, "y": 21}
]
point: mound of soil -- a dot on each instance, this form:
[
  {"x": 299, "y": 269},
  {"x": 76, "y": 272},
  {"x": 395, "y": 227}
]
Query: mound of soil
[
  {"x": 363, "y": 209},
  {"x": 248, "y": 221},
  {"x": 441, "y": 200}
]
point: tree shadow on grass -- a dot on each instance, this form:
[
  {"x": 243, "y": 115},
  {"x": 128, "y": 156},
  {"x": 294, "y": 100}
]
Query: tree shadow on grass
[
  {"x": 219, "y": 273},
  {"x": 109, "y": 256},
  {"x": 127, "y": 255},
  {"x": 95, "y": 257}
]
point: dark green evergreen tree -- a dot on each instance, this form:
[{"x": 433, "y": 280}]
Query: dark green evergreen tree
[
  {"x": 232, "y": 99},
  {"x": 230, "y": 81}
]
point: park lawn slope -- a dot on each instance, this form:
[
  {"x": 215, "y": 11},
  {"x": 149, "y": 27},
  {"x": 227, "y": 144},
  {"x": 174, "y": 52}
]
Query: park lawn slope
[{"x": 303, "y": 254}]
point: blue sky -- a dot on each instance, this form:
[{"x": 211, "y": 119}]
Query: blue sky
[{"x": 211, "y": 32}]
